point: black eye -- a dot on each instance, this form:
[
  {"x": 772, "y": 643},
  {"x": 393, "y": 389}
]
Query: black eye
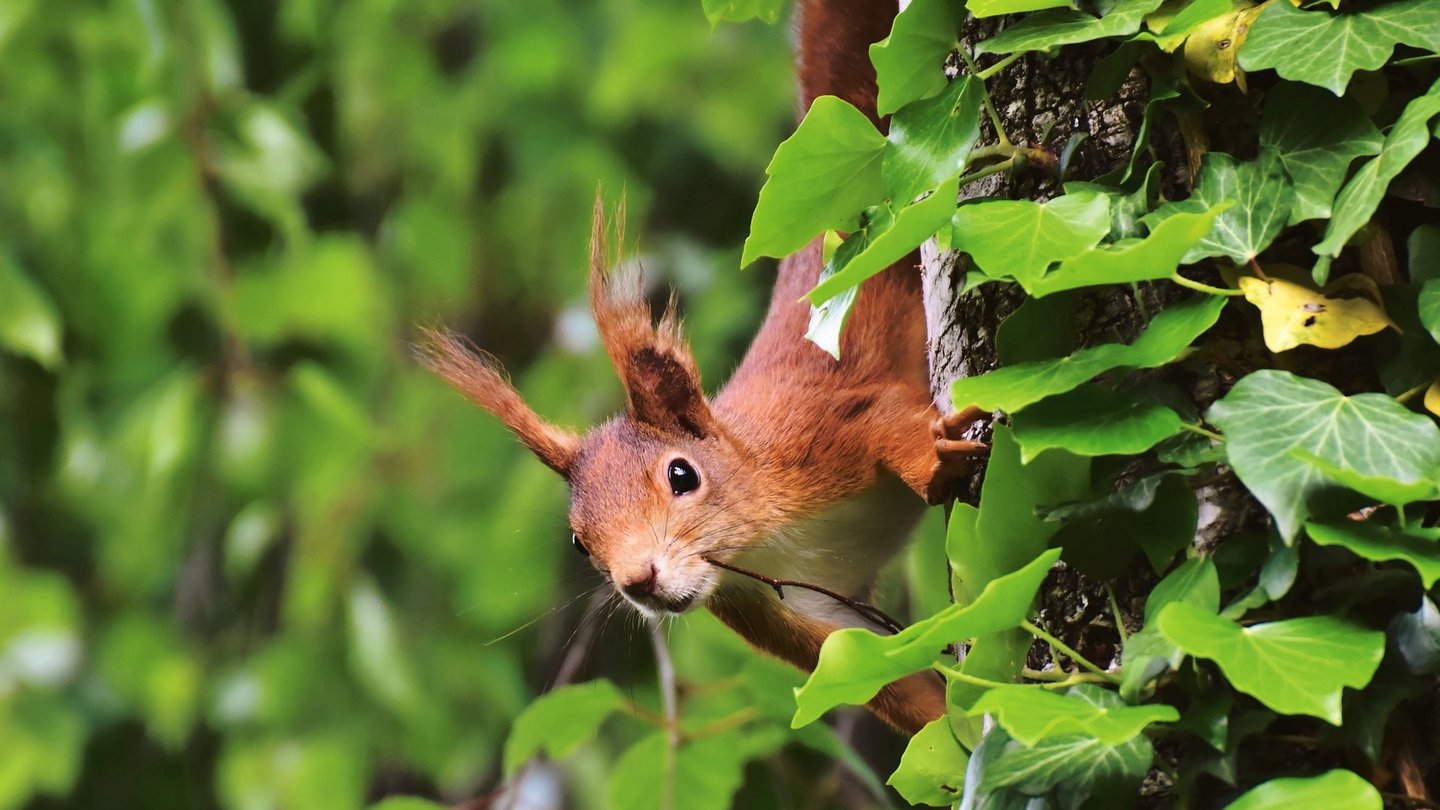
[
  {"x": 682, "y": 476},
  {"x": 579, "y": 546}
]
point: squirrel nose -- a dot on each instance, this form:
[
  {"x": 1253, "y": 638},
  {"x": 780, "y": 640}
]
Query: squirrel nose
[{"x": 641, "y": 586}]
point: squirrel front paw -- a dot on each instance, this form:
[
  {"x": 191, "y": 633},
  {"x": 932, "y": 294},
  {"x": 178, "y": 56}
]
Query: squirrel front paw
[{"x": 956, "y": 456}]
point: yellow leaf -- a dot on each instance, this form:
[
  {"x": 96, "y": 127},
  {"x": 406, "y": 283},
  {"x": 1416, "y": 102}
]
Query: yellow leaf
[
  {"x": 1432, "y": 398},
  {"x": 1294, "y": 312},
  {"x": 1210, "y": 51}
]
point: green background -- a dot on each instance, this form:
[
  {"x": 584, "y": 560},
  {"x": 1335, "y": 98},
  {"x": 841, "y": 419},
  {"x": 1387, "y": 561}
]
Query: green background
[{"x": 250, "y": 555}]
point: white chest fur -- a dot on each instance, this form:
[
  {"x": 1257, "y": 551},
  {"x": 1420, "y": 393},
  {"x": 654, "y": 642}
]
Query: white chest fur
[{"x": 842, "y": 549}]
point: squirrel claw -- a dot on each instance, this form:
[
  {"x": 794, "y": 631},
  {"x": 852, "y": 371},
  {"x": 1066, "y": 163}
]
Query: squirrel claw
[{"x": 956, "y": 456}]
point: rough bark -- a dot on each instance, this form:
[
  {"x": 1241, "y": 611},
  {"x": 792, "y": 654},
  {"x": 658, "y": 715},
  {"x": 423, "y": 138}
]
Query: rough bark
[{"x": 1041, "y": 101}]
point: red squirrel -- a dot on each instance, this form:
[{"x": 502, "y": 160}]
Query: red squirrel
[{"x": 802, "y": 467}]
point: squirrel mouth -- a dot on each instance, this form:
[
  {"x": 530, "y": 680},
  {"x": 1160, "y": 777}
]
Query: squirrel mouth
[{"x": 659, "y": 603}]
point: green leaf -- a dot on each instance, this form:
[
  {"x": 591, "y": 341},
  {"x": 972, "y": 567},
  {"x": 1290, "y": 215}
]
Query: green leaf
[
  {"x": 1269, "y": 413},
  {"x": 1317, "y": 137},
  {"x": 1031, "y": 714},
  {"x": 1130, "y": 260},
  {"x": 886, "y": 239},
  {"x": 1148, "y": 653},
  {"x": 1324, "y": 49},
  {"x": 855, "y": 663},
  {"x": 1337, "y": 788},
  {"x": 930, "y": 140},
  {"x": 1051, "y": 29},
  {"x": 1194, "y": 14},
  {"x": 1020, "y": 239},
  {"x": 932, "y": 769},
  {"x": 407, "y": 803},
  {"x": 821, "y": 178},
  {"x": 1010, "y": 389},
  {"x": 1361, "y": 196},
  {"x": 718, "y": 11},
  {"x": 994, "y": 8},
  {"x": 1093, "y": 420},
  {"x": 1295, "y": 666},
  {"x": 707, "y": 771},
  {"x": 1261, "y": 192},
  {"x": 1381, "y": 488},
  {"x": 1103, "y": 545},
  {"x": 29, "y": 325},
  {"x": 1039, "y": 330},
  {"x": 910, "y": 62},
  {"x": 378, "y": 658},
  {"x": 1420, "y": 547},
  {"x": 1081, "y": 763},
  {"x": 1430, "y": 307},
  {"x": 1416, "y": 636},
  {"x": 559, "y": 721}
]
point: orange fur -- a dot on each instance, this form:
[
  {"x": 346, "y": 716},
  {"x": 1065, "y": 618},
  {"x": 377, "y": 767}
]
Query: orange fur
[{"x": 804, "y": 467}]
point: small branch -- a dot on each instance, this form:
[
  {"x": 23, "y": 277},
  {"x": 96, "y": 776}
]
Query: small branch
[
  {"x": 665, "y": 671},
  {"x": 1057, "y": 644},
  {"x": 724, "y": 724},
  {"x": 866, "y": 610},
  {"x": 1412, "y": 393},
  {"x": 1205, "y": 288}
]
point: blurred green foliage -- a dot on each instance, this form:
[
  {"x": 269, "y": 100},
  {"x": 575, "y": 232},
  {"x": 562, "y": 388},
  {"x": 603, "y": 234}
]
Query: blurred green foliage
[{"x": 250, "y": 556}]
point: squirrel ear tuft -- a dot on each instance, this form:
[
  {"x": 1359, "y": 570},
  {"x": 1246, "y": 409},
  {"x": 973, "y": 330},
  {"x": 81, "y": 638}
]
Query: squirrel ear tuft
[
  {"x": 661, "y": 381},
  {"x": 480, "y": 378}
]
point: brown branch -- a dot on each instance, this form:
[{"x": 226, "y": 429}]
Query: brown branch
[{"x": 866, "y": 610}]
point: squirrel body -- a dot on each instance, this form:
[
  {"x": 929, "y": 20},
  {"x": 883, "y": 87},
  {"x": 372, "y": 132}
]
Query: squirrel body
[{"x": 802, "y": 467}]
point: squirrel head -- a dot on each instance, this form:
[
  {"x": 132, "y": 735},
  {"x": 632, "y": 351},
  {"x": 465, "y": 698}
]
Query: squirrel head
[{"x": 655, "y": 490}]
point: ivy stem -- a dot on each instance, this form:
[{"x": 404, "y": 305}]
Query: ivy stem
[
  {"x": 994, "y": 168},
  {"x": 1115, "y": 609},
  {"x": 1057, "y": 644},
  {"x": 1412, "y": 393},
  {"x": 1050, "y": 680},
  {"x": 998, "y": 66},
  {"x": 1209, "y": 434},
  {"x": 989, "y": 105},
  {"x": 1205, "y": 288}
]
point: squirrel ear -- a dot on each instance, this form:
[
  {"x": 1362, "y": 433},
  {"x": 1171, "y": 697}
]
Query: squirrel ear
[
  {"x": 479, "y": 378},
  {"x": 661, "y": 381}
]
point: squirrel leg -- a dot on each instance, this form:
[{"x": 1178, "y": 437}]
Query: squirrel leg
[{"x": 929, "y": 451}]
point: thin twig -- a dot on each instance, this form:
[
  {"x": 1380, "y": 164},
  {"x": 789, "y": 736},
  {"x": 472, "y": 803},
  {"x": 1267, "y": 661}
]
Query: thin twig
[
  {"x": 1057, "y": 644},
  {"x": 665, "y": 671},
  {"x": 866, "y": 610}
]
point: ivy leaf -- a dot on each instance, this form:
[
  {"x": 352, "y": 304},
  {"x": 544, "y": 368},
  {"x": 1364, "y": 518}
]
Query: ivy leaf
[
  {"x": 1325, "y": 49},
  {"x": 1193, "y": 15},
  {"x": 1337, "y": 788},
  {"x": 1417, "y": 546},
  {"x": 1130, "y": 260},
  {"x": 1430, "y": 307},
  {"x": 994, "y": 8},
  {"x": 1361, "y": 196},
  {"x": 707, "y": 771},
  {"x": 1020, "y": 239},
  {"x": 932, "y": 769},
  {"x": 855, "y": 663},
  {"x": 1381, "y": 488},
  {"x": 1261, "y": 192},
  {"x": 820, "y": 179},
  {"x": 1126, "y": 207},
  {"x": 1103, "y": 545},
  {"x": 1081, "y": 763},
  {"x": 1293, "y": 312},
  {"x": 560, "y": 720},
  {"x": 1051, "y": 29},
  {"x": 1270, "y": 412},
  {"x": 910, "y": 62},
  {"x": 1211, "y": 46},
  {"x": 1317, "y": 137},
  {"x": 930, "y": 140},
  {"x": 1295, "y": 666},
  {"x": 886, "y": 238},
  {"x": 1093, "y": 420},
  {"x": 1148, "y": 653},
  {"x": 1012, "y": 388},
  {"x": 1031, "y": 714}
]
